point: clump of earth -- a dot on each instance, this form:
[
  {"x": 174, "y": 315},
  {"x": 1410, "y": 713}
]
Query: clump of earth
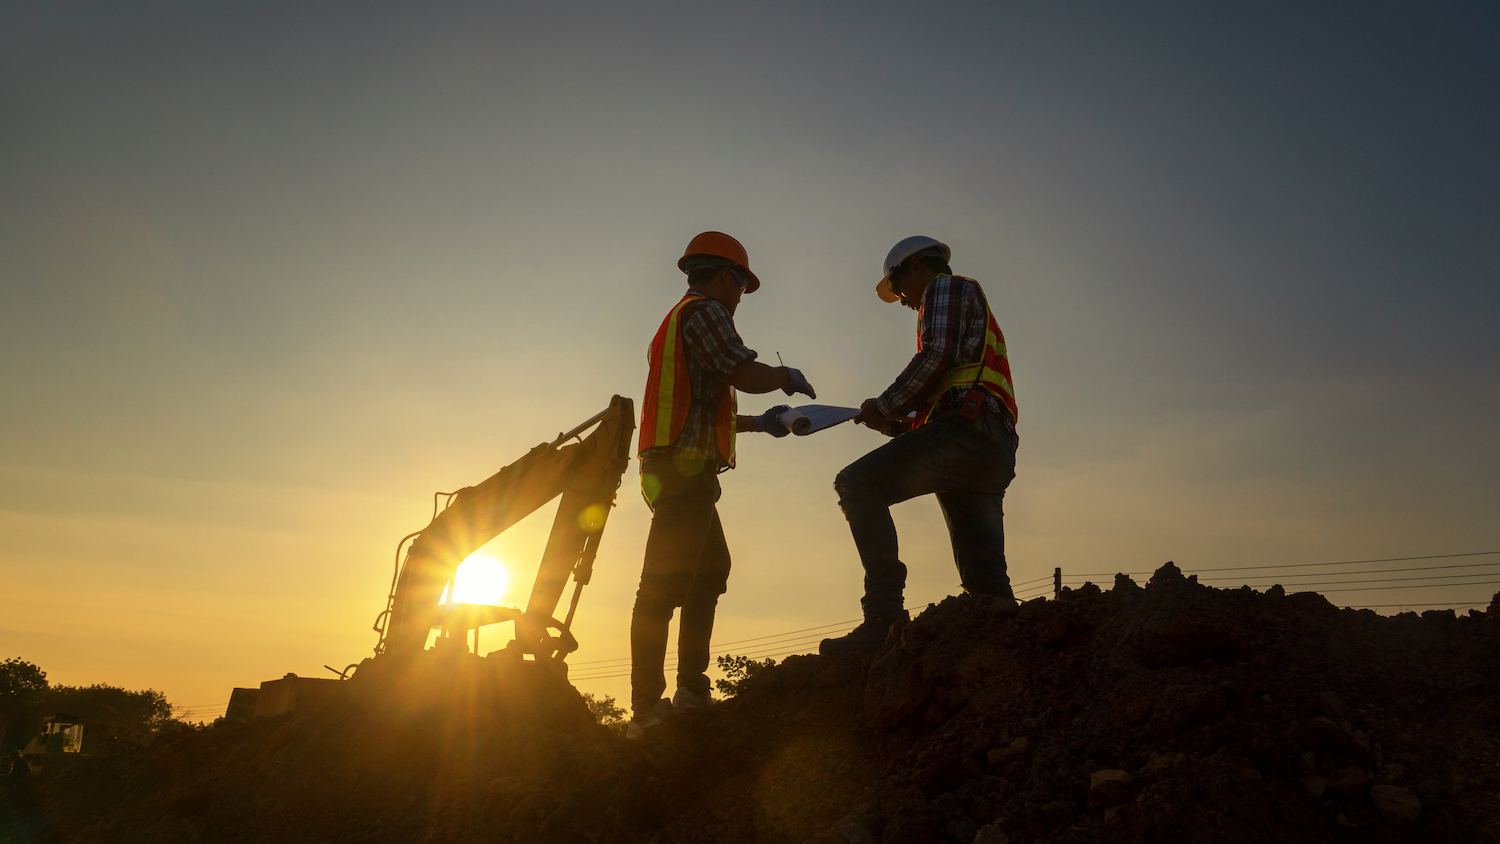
[{"x": 1169, "y": 711}]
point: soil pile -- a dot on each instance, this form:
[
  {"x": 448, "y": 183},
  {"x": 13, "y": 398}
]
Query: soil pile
[{"x": 1164, "y": 712}]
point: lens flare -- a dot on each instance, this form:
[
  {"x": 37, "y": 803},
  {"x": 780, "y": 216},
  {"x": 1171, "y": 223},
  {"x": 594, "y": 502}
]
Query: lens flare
[{"x": 592, "y": 518}]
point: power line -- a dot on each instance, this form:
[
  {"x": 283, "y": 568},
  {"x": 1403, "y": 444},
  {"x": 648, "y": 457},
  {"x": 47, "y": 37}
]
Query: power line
[
  {"x": 778, "y": 653},
  {"x": 1397, "y": 580},
  {"x": 1075, "y": 578},
  {"x": 718, "y": 647},
  {"x": 1312, "y": 565},
  {"x": 1414, "y": 586},
  {"x": 737, "y": 641},
  {"x": 1439, "y": 604},
  {"x": 1389, "y": 571},
  {"x": 573, "y": 679},
  {"x": 788, "y": 646},
  {"x": 1380, "y": 580},
  {"x": 1368, "y": 588},
  {"x": 603, "y": 664}
]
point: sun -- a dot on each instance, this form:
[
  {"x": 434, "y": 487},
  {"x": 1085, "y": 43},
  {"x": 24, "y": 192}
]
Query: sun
[{"x": 480, "y": 579}]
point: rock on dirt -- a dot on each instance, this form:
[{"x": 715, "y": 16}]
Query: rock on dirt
[
  {"x": 1396, "y": 803},
  {"x": 1168, "y": 711}
]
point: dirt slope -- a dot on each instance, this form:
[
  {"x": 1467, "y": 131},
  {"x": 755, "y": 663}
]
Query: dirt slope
[{"x": 1169, "y": 712}]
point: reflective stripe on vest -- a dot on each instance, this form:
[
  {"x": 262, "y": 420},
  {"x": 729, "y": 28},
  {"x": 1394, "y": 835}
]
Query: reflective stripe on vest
[
  {"x": 669, "y": 392},
  {"x": 996, "y": 378}
]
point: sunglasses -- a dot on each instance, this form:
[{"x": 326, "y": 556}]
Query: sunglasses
[{"x": 740, "y": 277}]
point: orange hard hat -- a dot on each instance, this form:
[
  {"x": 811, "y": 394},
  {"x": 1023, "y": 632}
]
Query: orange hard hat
[{"x": 720, "y": 245}]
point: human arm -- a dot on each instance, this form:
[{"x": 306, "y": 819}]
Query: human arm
[
  {"x": 710, "y": 330},
  {"x": 752, "y": 376},
  {"x": 755, "y": 377},
  {"x": 766, "y": 423},
  {"x": 871, "y": 417}
]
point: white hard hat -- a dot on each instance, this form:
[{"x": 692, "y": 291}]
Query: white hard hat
[{"x": 900, "y": 252}]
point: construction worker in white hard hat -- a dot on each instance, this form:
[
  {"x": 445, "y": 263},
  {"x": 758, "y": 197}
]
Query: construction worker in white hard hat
[
  {"x": 688, "y": 427},
  {"x": 952, "y": 413}
]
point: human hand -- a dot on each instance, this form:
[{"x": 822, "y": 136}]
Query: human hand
[
  {"x": 871, "y": 417},
  {"x": 771, "y": 423},
  {"x": 797, "y": 383}
]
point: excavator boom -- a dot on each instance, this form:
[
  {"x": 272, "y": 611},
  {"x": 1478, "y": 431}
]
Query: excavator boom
[{"x": 586, "y": 474}]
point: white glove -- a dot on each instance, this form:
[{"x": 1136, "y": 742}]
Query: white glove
[{"x": 797, "y": 383}]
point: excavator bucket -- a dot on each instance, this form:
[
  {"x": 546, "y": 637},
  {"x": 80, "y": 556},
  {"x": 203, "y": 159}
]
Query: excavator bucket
[{"x": 585, "y": 473}]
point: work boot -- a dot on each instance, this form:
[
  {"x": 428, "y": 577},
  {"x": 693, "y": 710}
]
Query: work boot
[
  {"x": 867, "y": 636},
  {"x": 685, "y": 700},
  {"x": 638, "y": 726},
  {"x": 640, "y": 723}
]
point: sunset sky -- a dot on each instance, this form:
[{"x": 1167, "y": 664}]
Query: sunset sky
[{"x": 272, "y": 274}]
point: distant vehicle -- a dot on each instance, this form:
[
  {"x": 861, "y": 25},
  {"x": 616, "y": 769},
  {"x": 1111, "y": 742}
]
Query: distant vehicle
[{"x": 59, "y": 742}]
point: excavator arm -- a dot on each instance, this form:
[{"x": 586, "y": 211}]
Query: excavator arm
[{"x": 586, "y": 474}]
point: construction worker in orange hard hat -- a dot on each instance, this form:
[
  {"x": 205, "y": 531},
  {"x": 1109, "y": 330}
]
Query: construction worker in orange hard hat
[
  {"x": 952, "y": 411},
  {"x": 688, "y": 427}
]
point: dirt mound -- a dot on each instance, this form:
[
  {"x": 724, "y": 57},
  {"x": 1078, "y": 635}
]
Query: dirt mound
[{"x": 1169, "y": 712}]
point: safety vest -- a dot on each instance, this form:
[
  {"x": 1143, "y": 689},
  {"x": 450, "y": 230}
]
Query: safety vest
[
  {"x": 669, "y": 393},
  {"x": 996, "y": 366}
]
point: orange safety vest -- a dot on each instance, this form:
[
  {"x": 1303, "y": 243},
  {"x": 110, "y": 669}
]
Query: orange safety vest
[
  {"x": 994, "y": 365},
  {"x": 669, "y": 393}
]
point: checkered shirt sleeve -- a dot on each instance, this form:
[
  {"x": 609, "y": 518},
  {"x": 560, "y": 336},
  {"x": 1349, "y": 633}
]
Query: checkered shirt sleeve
[
  {"x": 714, "y": 346},
  {"x": 951, "y": 329}
]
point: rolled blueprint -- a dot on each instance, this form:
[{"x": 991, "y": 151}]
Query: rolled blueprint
[
  {"x": 812, "y": 418},
  {"x": 795, "y": 422}
]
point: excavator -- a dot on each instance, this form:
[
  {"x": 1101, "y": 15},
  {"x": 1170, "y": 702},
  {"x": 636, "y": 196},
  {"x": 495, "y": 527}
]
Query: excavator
[
  {"x": 584, "y": 470},
  {"x": 587, "y": 475}
]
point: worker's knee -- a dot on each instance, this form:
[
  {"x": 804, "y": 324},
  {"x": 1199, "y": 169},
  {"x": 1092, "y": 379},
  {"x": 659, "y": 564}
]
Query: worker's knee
[
  {"x": 656, "y": 595},
  {"x": 842, "y": 484},
  {"x": 708, "y": 586},
  {"x": 851, "y": 486}
]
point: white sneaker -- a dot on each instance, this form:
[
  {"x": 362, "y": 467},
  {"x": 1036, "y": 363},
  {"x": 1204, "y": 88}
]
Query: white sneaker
[
  {"x": 638, "y": 727},
  {"x": 685, "y": 700}
]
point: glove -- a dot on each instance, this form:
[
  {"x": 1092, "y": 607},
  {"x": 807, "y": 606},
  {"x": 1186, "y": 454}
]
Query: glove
[
  {"x": 797, "y": 383},
  {"x": 769, "y": 422}
]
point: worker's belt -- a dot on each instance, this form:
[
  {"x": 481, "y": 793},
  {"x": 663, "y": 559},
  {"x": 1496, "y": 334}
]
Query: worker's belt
[{"x": 1002, "y": 417}]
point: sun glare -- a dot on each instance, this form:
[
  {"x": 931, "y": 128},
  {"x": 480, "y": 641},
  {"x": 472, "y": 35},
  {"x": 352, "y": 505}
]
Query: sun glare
[{"x": 480, "y": 579}]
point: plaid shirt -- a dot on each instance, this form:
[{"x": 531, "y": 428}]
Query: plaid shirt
[
  {"x": 950, "y": 332},
  {"x": 713, "y": 349}
]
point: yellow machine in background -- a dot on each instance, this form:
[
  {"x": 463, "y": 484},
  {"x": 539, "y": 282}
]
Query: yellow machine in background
[
  {"x": 585, "y": 473},
  {"x": 61, "y": 736}
]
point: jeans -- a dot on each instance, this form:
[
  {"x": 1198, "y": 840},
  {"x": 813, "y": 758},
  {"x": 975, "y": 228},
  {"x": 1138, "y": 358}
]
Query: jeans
[
  {"x": 968, "y": 465},
  {"x": 687, "y": 565}
]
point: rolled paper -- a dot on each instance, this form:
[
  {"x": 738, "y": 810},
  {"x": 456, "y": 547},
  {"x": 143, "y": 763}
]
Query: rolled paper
[{"x": 795, "y": 422}]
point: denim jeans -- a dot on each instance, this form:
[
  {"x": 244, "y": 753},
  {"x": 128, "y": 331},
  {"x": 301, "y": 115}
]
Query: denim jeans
[
  {"x": 968, "y": 465},
  {"x": 687, "y": 565}
]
